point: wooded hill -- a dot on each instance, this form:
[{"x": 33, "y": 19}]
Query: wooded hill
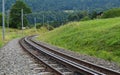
[
  {"x": 56, "y": 12},
  {"x": 40, "y": 5}
]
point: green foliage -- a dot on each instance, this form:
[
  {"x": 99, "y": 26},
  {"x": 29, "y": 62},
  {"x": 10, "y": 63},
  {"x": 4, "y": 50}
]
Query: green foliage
[
  {"x": 85, "y": 18},
  {"x": 40, "y": 5},
  {"x": 1, "y": 20},
  {"x": 73, "y": 17},
  {"x": 49, "y": 27},
  {"x": 77, "y": 16},
  {"x": 93, "y": 15},
  {"x": 99, "y": 38},
  {"x": 16, "y": 33},
  {"x": 15, "y": 14},
  {"x": 54, "y": 18},
  {"x": 115, "y": 12},
  {"x": 62, "y": 5},
  {"x": 38, "y": 25}
]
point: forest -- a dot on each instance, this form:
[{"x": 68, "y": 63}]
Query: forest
[
  {"x": 58, "y": 12},
  {"x": 40, "y": 5}
]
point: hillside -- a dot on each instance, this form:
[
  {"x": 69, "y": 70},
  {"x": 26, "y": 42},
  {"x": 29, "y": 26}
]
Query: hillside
[
  {"x": 39, "y": 5},
  {"x": 99, "y": 38}
]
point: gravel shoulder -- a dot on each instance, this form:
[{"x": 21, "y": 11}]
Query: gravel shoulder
[{"x": 15, "y": 61}]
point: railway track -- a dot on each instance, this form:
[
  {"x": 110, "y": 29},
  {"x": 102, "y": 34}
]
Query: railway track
[{"x": 58, "y": 63}]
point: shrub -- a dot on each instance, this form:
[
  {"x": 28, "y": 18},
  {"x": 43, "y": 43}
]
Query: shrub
[{"x": 115, "y": 12}]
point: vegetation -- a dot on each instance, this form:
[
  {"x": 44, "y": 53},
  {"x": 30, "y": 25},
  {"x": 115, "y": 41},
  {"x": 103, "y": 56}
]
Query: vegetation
[
  {"x": 58, "y": 12},
  {"x": 93, "y": 15},
  {"x": 115, "y": 12},
  {"x": 99, "y": 38},
  {"x": 54, "y": 18},
  {"x": 77, "y": 16},
  {"x": 40, "y": 5},
  {"x": 55, "y": 11},
  {"x": 15, "y": 14},
  {"x": 58, "y": 18},
  {"x": 15, "y": 33}
]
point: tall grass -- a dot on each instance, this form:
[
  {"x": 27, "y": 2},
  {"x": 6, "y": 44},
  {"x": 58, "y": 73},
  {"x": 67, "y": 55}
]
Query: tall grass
[
  {"x": 14, "y": 33},
  {"x": 99, "y": 38}
]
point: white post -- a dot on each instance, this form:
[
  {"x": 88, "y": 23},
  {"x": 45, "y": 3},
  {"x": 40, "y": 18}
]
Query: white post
[
  {"x": 8, "y": 16},
  {"x": 22, "y": 19},
  {"x": 48, "y": 25},
  {"x": 43, "y": 19},
  {"x": 3, "y": 19},
  {"x": 35, "y": 23}
]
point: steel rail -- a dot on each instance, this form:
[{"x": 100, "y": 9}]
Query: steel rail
[
  {"x": 83, "y": 62},
  {"x": 71, "y": 64},
  {"x": 25, "y": 48}
]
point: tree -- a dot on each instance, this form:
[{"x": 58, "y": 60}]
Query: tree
[
  {"x": 93, "y": 15},
  {"x": 74, "y": 17},
  {"x": 77, "y": 16},
  {"x": 15, "y": 14},
  {"x": 86, "y": 18},
  {"x": 1, "y": 20}
]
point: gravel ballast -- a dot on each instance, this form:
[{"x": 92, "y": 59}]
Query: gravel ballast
[{"x": 15, "y": 61}]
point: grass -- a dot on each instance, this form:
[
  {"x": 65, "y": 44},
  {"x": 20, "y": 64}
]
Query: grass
[
  {"x": 14, "y": 33},
  {"x": 99, "y": 38}
]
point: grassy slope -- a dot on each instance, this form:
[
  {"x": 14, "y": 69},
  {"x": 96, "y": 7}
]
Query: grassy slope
[
  {"x": 99, "y": 38},
  {"x": 14, "y": 33}
]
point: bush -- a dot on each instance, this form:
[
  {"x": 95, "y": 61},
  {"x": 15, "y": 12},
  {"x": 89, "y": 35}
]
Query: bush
[
  {"x": 115, "y": 12},
  {"x": 38, "y": 25},
  {"x": 85, "y": 18}
]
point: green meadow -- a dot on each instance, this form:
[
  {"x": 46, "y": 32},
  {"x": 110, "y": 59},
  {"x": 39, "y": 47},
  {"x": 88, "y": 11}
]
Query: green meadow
[
  {"x": 99, "y": 38},
  {"x": 15, "y": 33}
]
